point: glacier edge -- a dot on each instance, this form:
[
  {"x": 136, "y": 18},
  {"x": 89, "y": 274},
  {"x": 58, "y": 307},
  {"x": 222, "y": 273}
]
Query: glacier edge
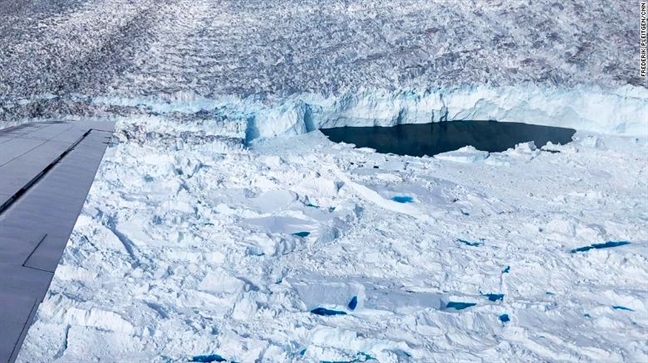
[{"x": 620, "y": 111}]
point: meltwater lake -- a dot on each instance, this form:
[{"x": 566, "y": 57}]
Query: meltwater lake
[{"x": 439, "y": 137}]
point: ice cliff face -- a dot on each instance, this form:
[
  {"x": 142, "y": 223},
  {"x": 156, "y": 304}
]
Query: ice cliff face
[{"x": 621, "y": 111}]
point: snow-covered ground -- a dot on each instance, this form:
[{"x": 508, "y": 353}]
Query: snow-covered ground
[{"x": 222, "y": 224}]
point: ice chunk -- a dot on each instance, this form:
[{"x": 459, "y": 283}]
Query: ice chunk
[
  {"x": 593, "y": 142},
  {"x": 466, "y": 155}
]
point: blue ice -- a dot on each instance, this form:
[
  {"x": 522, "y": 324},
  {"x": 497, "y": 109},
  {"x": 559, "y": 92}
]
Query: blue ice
[
  {"x": 619, "y": 307},
  {"x": 327, "y": 312},
  {"x": 403, "y": 199},
  {"x": 598, "y": 246}
]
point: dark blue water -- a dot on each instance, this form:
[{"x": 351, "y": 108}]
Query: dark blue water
[
  {"x": 468, "y": 243},
  {"x": 438, "y": 137},
  {"x": 327, "y": 312},
  {"x": 504, "y": 318},
  {"x": 598, "y": 246},
  {"x": 208, "y": 358},
  {"x": 494, "y": 297},
  {"x": 458, "y": 305},
  {"x": 353, "y": 303},
  {"x": 301, "y": 234},
  {"x": 403, "y": 199}
]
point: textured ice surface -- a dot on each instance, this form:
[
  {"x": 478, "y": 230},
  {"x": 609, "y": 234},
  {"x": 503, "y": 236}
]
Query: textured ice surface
[
  {"x": 166, "y": 269},
  {"x": 211, "y": 47}
]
